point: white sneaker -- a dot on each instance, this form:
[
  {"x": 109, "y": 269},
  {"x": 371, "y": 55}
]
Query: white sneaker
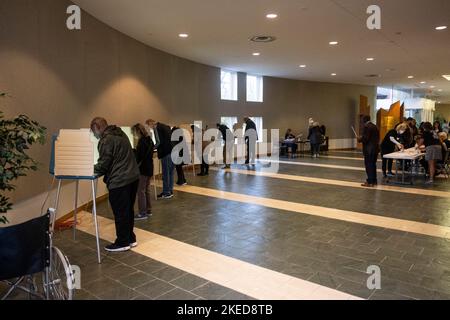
[{"x": 134, "y": 244}]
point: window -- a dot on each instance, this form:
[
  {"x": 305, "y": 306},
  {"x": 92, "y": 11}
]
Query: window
[
  {"x": 259, "y": 127},
  {"x": 229, "y": 85},
  {"x": 255, "y": 88},
  {"x": 230, "y": 122}
]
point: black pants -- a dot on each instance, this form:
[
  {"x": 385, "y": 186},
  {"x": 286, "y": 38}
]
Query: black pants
[
  {"x": 204, "y": 168},
  {"x": 370, "y": 161},
  {"x": 180, "y": 174},
  {"x": 315, "y": 148},
  {"x": 387, "y": 164},
  {"x": 122, "y": 203}
]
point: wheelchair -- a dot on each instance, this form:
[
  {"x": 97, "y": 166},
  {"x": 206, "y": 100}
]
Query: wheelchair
[{"x": 28, "y": 258}]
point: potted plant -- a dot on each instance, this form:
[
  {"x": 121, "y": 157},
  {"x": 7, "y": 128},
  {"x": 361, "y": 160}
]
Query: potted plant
[{"x": 16, "y": 137}]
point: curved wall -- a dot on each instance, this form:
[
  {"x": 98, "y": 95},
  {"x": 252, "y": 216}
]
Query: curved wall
[{"x": 64, "y": 78}]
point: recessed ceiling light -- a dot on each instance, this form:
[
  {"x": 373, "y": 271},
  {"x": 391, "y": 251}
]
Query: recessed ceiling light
[
  {"x": 333, "y": 74},
  {"x": 256, "y": 54},
  {"x": 441, "y": 28},
  {"x": 432, "y": 87},
  {"x": 446, "y": 76},
  {"x": 302, "y": 66},
  {"x": 440, "y": 90},
  {"x": 423, "y": 82},
  {"x": 333, "y": 43},
  {"x": 410, "y": 77},
  {"x": 183, "y": 35},
  {"x": 272, "y": 16},
  {"x": 370, "y": 59}
]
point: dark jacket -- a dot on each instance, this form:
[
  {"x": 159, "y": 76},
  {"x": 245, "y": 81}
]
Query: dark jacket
[
  {"x": 370, "y": 139},
  {"x": 144, "y": 156},
  {"x": 116, "y": 163},
  {"x": 165, "y": 140},
  {"x": 407, "y": 138},
  {"x": 223, "y": 129},
  {"x": 315, "y": 135},
  {"x": 249, "y": 125},
  {"x": 387, "y": 146},
  {"x": 430, "y": 138}
]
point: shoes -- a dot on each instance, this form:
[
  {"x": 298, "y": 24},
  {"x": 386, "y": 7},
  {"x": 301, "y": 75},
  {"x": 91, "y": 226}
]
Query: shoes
[
  {"x": 390, "y": 174},
  {"x": 134, "y": 244},
  {"x": 141, "y": 217},
  {"x": 429, "y": 181},
  {"x": 165, "y": 196},
  {"x": 117, "y": 248},
  {"x": 368, "y": 185},
  {"x": 182, "y": 183}
]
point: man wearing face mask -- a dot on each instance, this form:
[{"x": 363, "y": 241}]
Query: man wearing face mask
[
  {"x": 118, "y": 165},
  {"x": 390, "y": 141}
]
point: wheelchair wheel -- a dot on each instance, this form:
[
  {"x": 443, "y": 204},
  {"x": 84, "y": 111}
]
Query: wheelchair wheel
[{"x": 60, "y": 284}]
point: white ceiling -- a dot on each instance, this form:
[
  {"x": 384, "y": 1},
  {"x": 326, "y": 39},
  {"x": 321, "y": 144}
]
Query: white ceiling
[{"x": 219, "y": 33}]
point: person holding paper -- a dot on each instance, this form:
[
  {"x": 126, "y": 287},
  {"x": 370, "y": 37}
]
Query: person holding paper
[
  {"x": 390, "y": 142},
  {"x": 371, "y": 147},
  {"x": 117, "y": 164}
]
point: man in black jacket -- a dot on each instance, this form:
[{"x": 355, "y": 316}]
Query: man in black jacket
[
  {"x": 164, "y": 145},
  {"x": 121, "y": 174},
  {"x": 251, "y": 137},
  {"x": 371, "y": 147}
]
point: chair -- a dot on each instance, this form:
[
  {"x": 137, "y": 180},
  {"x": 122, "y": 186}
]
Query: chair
[{"x": 26, "y": 250}]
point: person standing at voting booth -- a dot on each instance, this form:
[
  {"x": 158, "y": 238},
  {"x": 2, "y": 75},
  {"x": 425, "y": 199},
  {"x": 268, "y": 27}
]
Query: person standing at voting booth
[
  {"x": 144, "y": 157},
  {"x": 164, "y": 145},
  {"x": 251, "y": 138},
  {"x": 371, "y": 147},
  {"x": 117, "y": 164}
]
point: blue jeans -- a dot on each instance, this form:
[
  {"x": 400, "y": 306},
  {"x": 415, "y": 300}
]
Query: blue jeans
[{"x": 167, "y": 174}]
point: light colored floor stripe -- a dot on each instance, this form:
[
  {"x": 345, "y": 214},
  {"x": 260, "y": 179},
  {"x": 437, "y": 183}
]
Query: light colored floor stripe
[
  {"x": 344, "y": 158},
  {"x": 246, "y": 278},
  {"x": 320, "y": 165},
  {"x": 341, "y": 183},
  {"x": 331, "y": 213}
]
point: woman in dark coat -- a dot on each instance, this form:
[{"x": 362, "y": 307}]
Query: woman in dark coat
[
  {"x": 144, "y": 157},
  {"x": 315, "y": 138}
]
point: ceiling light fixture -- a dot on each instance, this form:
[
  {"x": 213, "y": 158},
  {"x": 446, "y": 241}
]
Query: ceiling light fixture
[
  {"x": 333, "y": 43},
  {"x": 440, "y": 90},
  {"x": 423, "y": 82},
  {"x": 410, "y": 77},
  {"x": 256, "y": 54},
  {"x": 446, "y": 76},
  {"x": 271, "y": 16},
  {"x": 370, "y": 59},
  {"x": 432, "y": 87},
  {"x": 441, "y": 28},
  {"x": 183, "y": 35},
  {"x": 333, "y": 74},
  {"x": 302, "y": 66}
]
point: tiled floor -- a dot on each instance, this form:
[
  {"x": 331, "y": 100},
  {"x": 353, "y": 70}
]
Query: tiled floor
[{"x": 333, "y": 253}]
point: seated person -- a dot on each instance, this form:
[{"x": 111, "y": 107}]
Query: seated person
[
  {"x": 443, "y": 138},
  {"x": 290, "y": 141}
]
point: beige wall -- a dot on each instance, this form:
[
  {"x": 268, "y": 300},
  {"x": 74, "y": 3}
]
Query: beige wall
[
  {"x": 64, "y": 78},
  {"x": 443, "y": 110}
]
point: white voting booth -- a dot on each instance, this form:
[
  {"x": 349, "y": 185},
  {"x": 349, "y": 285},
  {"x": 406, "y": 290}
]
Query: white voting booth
[{"x": 75, "y": 155}]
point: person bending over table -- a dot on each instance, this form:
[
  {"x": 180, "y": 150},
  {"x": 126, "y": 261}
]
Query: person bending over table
[{"x": 390, "y": 142}]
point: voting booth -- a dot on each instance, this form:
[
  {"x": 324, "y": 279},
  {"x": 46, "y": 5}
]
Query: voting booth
[{"x": 74, "y": 154}]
